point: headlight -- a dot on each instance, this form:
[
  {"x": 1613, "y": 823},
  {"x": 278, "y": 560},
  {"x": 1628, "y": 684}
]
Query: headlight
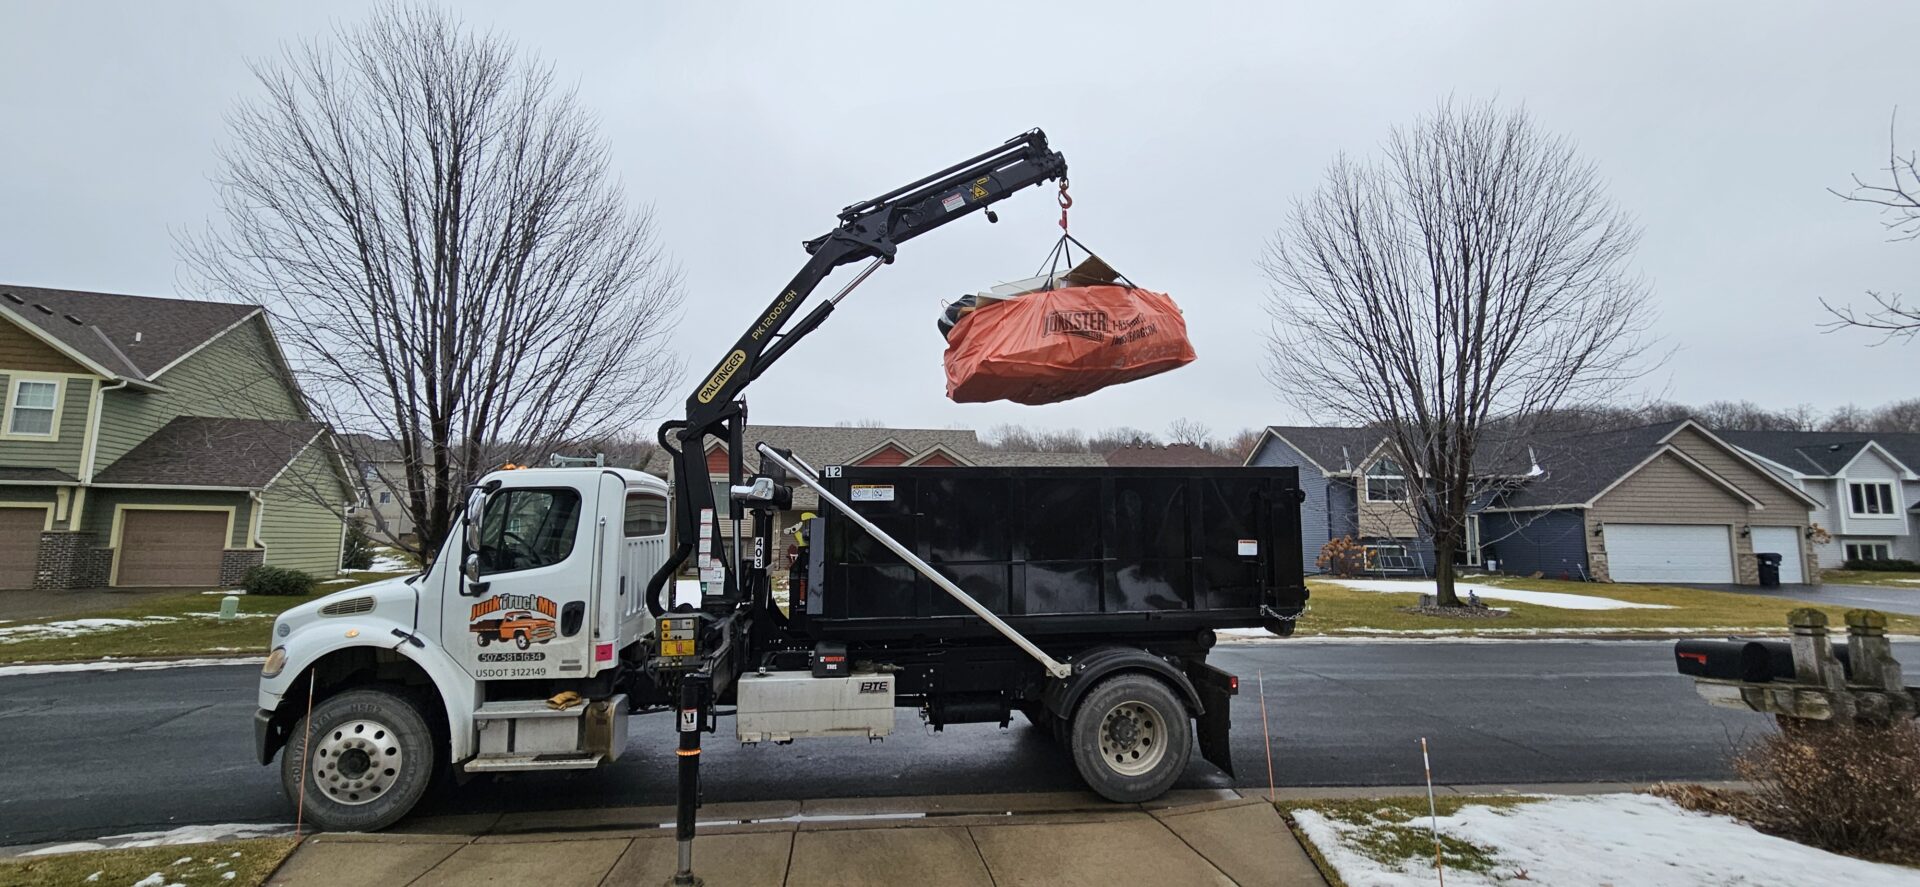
[{"x": 276, "y": 661}]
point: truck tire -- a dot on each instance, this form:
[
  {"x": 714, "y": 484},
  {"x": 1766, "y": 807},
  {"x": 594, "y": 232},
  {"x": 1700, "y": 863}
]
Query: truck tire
[
  {"x": 521, "y": 640},
  {"x": 1131, "y": 737},
  {"x": 372, "y": 759}
]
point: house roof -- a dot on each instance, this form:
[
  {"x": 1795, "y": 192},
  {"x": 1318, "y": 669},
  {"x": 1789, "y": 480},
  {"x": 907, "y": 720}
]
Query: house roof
[
  {"x": 199, "y": 451},
  {"x": 1577, "y": 467},
  {"x": 1333, "y": 448},
  {"x": 131, "y": 337},
  {"x": 1167, "y": 456},
  {"x": 1823, "y": 453},
  {"x": 17, "y": 474},
  {"x": 1338, "y": 450}
]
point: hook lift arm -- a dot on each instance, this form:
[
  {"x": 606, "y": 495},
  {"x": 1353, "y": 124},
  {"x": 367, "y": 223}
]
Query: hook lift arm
[{"x": 871, "y": 230}]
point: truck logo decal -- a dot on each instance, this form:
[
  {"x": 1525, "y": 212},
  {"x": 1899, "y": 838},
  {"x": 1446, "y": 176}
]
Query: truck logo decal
[
  {"x": 520, "y": 619},
  {"x": 720, "y": 376},
  {"x": 873, "y": 686}
]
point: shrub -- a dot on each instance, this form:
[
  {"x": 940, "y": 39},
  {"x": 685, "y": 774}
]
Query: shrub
[
  {"x": 1849, "y": 789},
  {"x": 277, "y": 582},
  {"x": 1343, "y": 557},
  {"x": 1885, "y": 566},
  {"x": 357, "y": 553}
]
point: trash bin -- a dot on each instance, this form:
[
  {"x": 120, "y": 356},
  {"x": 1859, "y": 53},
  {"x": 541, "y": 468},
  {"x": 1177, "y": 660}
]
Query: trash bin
[{"x": 1769, "y": 569}]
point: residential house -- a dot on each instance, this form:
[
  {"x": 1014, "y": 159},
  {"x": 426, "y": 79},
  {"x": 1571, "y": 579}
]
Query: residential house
[
  {"x": 154, "y": 442},
  {"x": 1148, "y": 455},
  {"x": 835, "y": 445},
  {"x": 1671, "y": 502},
  {"x": 381, "y": 510},
  {"x": 1867, "y": 484}
]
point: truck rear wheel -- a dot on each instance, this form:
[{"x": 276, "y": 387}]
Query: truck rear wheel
[
  {"x": 365, "y": 760},
  {"x": 1131, "y": 738}
]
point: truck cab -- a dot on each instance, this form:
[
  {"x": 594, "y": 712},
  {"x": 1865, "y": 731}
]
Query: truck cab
[{"x": 537, "y": 594}]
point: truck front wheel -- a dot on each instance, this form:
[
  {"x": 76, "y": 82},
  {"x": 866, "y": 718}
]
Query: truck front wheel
[
  {"x": 1131, "y": 738},
  {"x": 365, "y": 759}
]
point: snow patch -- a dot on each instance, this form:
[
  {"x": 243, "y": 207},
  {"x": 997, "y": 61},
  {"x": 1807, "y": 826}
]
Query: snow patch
[
  {"x": 73, "y": 628},
  {"x": 186, "y": 834},
  {"x": 1617, "y": 839},
  {"x": 153, "y": 880},
  {"x": 1555, "y": 599},
  {"x": 7, "y": 671}
]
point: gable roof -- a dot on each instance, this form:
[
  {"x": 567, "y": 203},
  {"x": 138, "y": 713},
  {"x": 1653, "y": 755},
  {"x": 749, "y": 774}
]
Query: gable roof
[
  {"x": 199, "y": 451},
  {"x": 119, "y": 336},
  {"x": 1824, "y": 453},
  {"x": 1167, "y": 456},
  {"x": 1580, "y": 467}
]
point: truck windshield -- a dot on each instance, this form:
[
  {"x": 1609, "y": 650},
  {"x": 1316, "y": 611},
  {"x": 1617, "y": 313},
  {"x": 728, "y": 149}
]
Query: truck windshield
[{"x": 524, "y": 529}]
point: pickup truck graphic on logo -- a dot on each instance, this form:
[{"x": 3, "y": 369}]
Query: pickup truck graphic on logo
[{"x": 522, "y": 619}]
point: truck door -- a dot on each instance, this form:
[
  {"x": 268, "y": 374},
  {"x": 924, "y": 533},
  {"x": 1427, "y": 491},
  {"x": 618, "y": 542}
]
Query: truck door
[{"x": 526, "y": 616}]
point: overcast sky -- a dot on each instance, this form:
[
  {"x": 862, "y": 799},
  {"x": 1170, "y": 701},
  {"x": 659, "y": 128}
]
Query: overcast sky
[{"x": 1189, "y": 129}]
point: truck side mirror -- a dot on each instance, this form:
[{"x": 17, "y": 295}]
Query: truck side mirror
[{"x": 476, "y": 509}]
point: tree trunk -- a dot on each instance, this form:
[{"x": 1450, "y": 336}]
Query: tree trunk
[{"x": 1443, "y": 593}]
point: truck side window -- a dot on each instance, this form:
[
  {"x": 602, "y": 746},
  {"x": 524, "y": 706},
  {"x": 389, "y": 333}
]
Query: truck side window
[
  {"x": 524, "y": 529},
  {"x": 646, "y": 514}
]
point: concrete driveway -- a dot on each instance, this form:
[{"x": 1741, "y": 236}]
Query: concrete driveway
[{"x": 1888, "y": 600}]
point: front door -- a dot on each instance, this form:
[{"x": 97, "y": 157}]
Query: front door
[{"x": 527, "y": 615}]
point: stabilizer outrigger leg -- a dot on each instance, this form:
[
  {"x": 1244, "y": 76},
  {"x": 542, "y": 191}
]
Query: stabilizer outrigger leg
[{"x": 695, "y": 702}]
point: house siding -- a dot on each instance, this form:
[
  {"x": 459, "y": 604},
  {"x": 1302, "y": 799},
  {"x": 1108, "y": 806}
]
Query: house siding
[
  {"x": 1316, "y": 526},
  {"x": 21, "y": 350},
  {"x": 1756, "y": 482},
  {"x": 297, "y": 529},
  {"x": 1870, "y": 468},
  {"x": 234, "y": 376},
  {"x": 1668, "y": 491},
  {"x": 1552, "y": 543},
  {"x": 63, "y": 450}
]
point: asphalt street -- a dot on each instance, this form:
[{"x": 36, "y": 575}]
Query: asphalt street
[
  {"x": 1889, "y": 600},
  {"x": 89, "y": 754}
]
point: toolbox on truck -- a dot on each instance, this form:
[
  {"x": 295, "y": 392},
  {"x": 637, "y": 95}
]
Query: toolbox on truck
[{"x": 1058, "y": 551}]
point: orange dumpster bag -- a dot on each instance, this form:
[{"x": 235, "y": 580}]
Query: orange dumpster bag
[{"x": 1056, "y": 345}]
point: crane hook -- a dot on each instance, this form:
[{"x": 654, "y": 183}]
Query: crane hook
[{"x": 1066, "y": 203}]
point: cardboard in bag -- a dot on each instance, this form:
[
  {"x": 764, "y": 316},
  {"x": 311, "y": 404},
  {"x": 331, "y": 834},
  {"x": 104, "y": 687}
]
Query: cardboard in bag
[{"x": 1047, "y": 347}]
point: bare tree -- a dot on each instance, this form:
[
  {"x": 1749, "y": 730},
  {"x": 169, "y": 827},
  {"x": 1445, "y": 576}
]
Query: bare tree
[
  {"x": 1901, "y": 415},
  {"x": 1898, "y": 197},
  {"x": 1473, "y": 272},
  {"x": 455, "y": 271},
  {"x": 1189, "y": 432},
  {"x": 1240, "y": 446}
]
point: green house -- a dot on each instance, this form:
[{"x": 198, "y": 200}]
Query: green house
[{"x": 155, "y": 442}]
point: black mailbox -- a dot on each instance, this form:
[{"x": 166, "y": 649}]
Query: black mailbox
[
  {"x": 1729, "y": 660},
  {"x": 1753, "y": 661}
]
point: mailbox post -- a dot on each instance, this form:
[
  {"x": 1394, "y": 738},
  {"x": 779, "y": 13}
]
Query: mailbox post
[{"x": 1858, "y": 683}]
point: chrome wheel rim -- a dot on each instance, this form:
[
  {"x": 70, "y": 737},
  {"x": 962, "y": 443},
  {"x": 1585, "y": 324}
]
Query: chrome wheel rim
[
  {"x": 357, "y": 762},
  {"x": 1133, "y": 738}
]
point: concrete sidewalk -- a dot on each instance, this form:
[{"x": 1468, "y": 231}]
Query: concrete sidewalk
[{"x": 1055, "y": 839}]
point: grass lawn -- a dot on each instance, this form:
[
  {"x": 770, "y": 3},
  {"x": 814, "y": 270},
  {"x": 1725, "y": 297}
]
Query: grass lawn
[
  {"x": 184, "y": 624},
  {"x": 1344, "y": 611},
  {"x": 1872, "y": 577},
  {"x": 1396, "y": 831},
  {"x": 219, "y": 864}
]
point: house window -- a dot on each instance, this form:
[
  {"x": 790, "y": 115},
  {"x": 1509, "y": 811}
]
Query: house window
[
  {"x": 30, "y": 410},
  {"x": 386, "y": 498},
  {"x": 1872, "y": 498},
  {"x": 1868, "y": 551},
  {"x": 1386, "y": 482}
]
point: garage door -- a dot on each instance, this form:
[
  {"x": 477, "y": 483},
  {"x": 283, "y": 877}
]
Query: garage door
[
  {"x": 1784, "y": 541},
  {"x": 20, "y": 545},
  {"x": 1669, "y": 552},
  {"x": 171, "y": 547}
]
